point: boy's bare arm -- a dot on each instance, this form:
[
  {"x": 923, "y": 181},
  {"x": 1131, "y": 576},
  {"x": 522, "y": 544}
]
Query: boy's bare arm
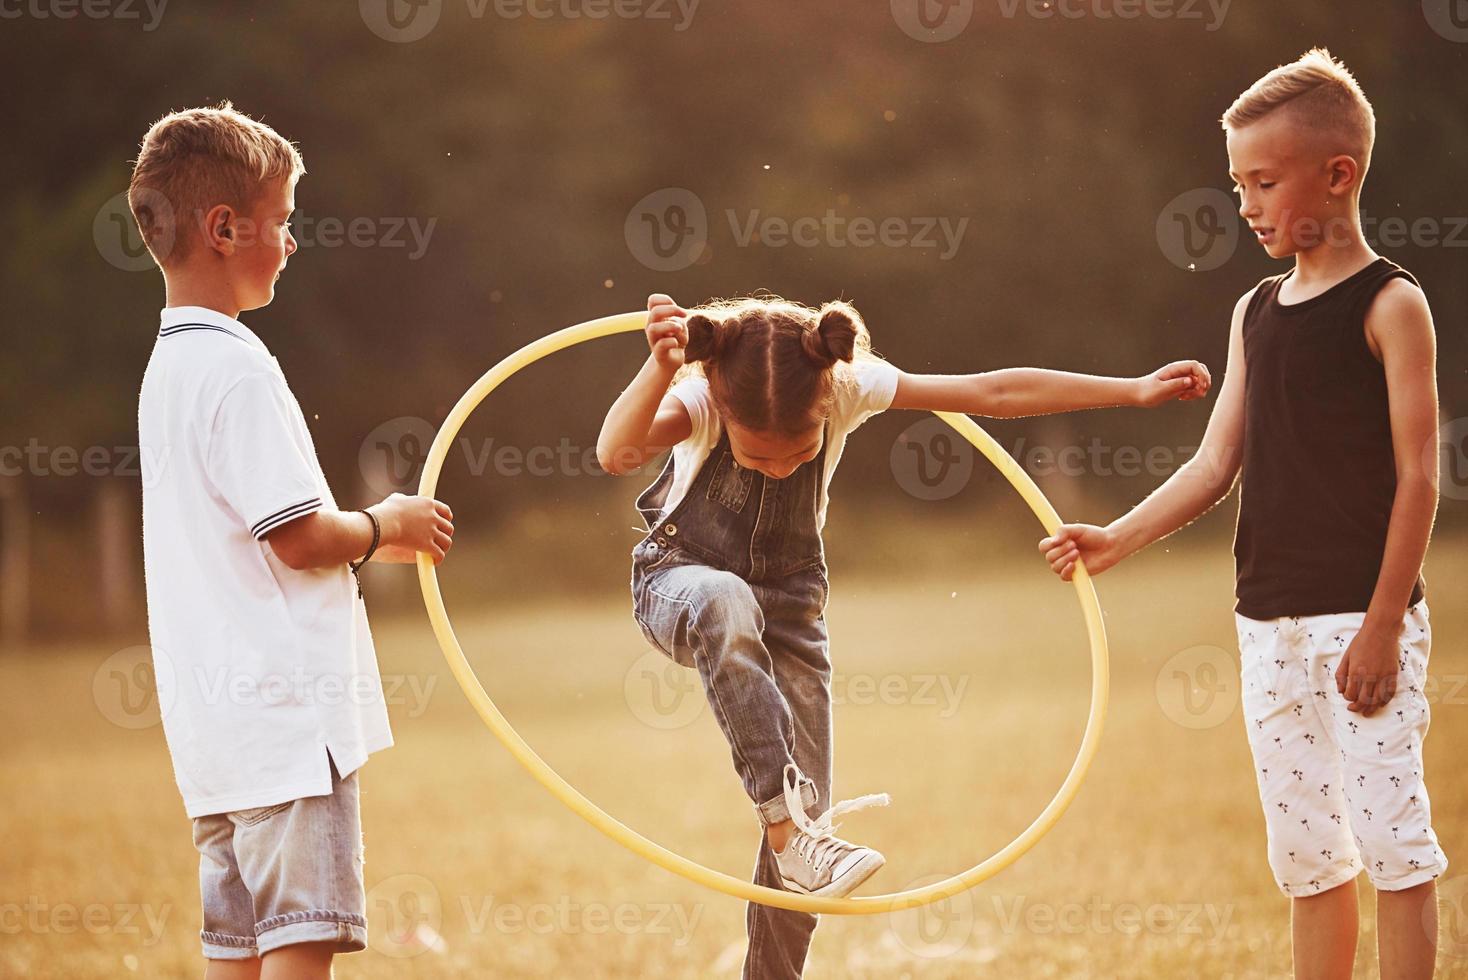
[
  {"x": 333, "y": 537},
  {"x": 645, "y": 420},
  {"x": 1399, "y": 329},
  {"x": 1194, "y": 489}
]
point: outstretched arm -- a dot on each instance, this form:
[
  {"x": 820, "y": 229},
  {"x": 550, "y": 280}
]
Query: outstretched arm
[
  {"x": 1017, "y": 392},
  {"x": 1194, "y": 489}
]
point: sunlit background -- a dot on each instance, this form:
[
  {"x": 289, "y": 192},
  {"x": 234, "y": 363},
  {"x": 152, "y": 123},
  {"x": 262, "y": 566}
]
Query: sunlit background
[{"x": 991, "y": 182}]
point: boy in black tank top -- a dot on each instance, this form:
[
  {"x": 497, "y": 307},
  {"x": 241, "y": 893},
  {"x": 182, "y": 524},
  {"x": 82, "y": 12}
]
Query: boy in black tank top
[{"x": 1329, "y": 411}]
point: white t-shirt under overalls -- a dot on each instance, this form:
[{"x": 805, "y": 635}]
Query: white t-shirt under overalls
[{"x": 876, "y": 384}]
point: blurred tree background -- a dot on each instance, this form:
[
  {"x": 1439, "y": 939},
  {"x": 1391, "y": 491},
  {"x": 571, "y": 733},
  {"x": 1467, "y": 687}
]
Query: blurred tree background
[{"x": 519, "y": 147}]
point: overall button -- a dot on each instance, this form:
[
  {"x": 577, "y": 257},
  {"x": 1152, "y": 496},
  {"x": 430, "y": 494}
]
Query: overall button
[{"x": 671, "y": 529}]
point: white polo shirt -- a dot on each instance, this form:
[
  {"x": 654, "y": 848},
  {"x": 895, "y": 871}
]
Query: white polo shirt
[{"x": 261, "y": 669}]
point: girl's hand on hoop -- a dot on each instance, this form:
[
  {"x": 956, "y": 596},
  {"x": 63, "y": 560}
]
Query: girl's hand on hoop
[{"x": 667, "y": 330}]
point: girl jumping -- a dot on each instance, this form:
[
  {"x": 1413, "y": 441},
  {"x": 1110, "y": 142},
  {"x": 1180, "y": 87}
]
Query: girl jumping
[{"x": 730, "y": 578}]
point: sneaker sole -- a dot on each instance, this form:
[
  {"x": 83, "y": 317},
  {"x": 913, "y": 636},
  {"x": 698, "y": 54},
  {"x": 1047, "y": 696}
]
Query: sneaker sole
[{"x": 847, "y": 883}]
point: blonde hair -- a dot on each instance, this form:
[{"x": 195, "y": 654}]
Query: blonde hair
[
  {"x": 773, "y": 365},
  {"x": 1324, "y": 96},
  {"x": 194, "y": 159}
]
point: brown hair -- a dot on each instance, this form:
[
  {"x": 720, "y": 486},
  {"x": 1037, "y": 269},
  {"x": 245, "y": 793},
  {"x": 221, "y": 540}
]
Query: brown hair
[
  {"x": 1325, "y": 97},
  {"x": 194, "y": 159},
  {"x": 774, "y": 366}
]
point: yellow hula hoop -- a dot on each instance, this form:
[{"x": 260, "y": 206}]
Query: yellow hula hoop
[{"x": 659, "y": 855}]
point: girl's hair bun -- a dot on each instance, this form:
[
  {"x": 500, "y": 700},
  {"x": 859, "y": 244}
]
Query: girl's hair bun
[
  {"x": 703, "y": 339},
  {"x": 834, "y": 336}
]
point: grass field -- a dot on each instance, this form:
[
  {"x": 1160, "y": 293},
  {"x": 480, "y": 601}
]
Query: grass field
[{"x": 962, "y": 697}]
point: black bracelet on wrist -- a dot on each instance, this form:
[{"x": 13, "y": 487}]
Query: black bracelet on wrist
[{"x": 376, "y": 540}]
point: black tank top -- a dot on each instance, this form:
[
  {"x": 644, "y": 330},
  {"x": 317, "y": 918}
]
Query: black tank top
[{"x": 1319, "y": 475}]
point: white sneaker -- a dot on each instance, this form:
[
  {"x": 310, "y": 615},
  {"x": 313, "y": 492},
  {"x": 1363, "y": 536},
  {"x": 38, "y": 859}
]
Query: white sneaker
[{"x": 817, "y": 862}]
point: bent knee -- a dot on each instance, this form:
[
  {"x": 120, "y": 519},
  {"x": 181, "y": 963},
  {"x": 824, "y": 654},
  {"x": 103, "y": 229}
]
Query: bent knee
[
  {"x": 710, "y": 600},
  {"x": 723, "y": 596}
]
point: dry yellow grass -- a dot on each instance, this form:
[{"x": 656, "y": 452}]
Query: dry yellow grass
[{"x": 962, "y": 697}]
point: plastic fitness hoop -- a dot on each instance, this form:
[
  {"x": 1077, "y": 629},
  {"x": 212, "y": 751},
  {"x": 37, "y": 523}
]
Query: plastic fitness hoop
[{"x": 659, "y": 855}]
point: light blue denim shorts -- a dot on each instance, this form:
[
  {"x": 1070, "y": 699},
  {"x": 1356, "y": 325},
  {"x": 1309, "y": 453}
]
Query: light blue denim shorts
[{"x": 279, "y": 875}]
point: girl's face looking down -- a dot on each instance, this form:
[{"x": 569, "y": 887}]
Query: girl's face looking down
[{"x": 773, "y": 455}]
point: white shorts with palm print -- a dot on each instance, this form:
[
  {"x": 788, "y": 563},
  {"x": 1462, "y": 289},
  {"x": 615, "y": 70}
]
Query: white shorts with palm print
[{"x": 1341, "y": 791}]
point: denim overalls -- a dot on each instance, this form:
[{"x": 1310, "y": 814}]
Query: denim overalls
[{"x": 733, "y": 583}]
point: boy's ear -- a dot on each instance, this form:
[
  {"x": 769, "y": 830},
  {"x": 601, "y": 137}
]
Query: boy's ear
[
  {"x": 220, "y": 228},
  {"x": 1344, "y": 173}
]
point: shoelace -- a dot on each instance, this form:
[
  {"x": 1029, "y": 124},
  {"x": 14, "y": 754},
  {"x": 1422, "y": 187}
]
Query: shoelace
[{"x": 824, "y": 846}]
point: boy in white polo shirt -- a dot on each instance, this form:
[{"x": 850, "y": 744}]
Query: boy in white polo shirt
[{"x": 267, "y": 677}]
